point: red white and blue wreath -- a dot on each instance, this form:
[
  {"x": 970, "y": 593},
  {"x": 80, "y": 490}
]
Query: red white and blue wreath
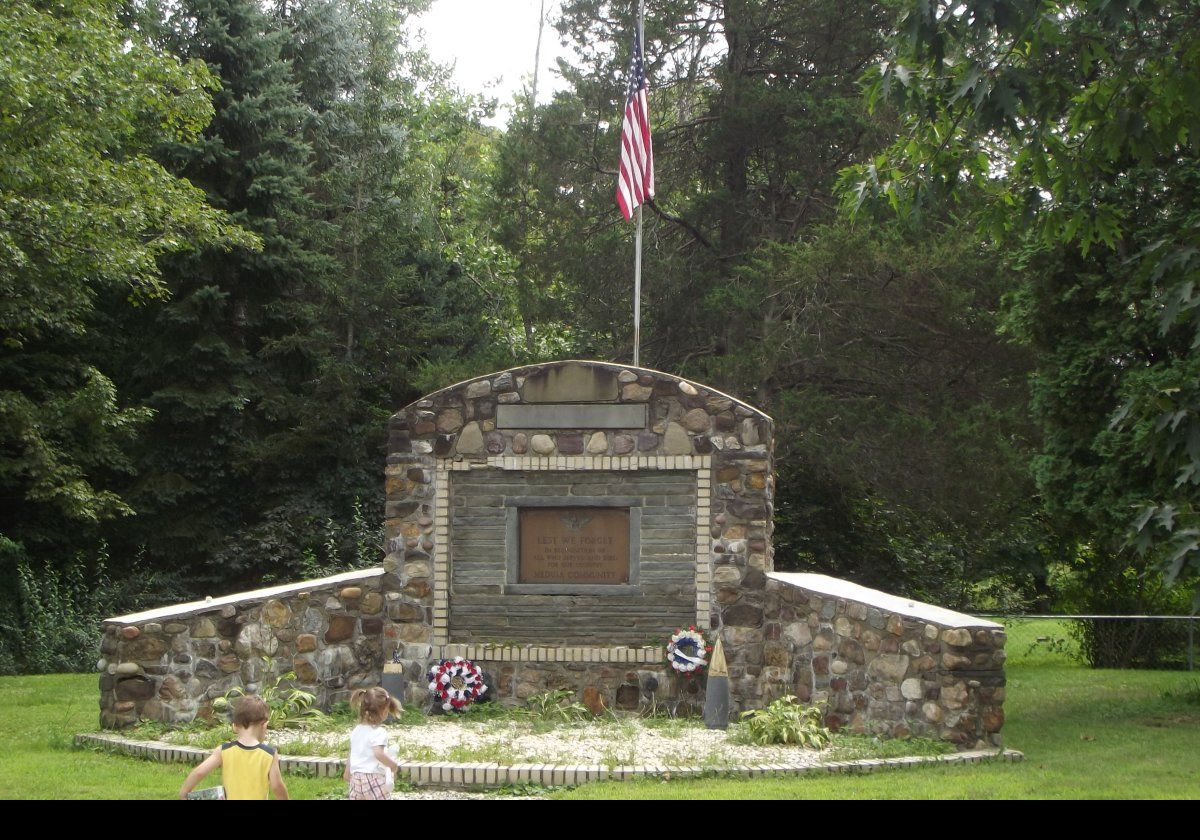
[
  {"x": 687, "y": 651},
  {"x": 456, "y": 683}
]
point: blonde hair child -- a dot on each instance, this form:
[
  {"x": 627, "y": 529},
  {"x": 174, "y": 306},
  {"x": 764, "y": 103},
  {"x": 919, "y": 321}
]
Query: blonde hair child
[
  {"x": 249, "y": 768},
  {"x": 370, "y": 772}
]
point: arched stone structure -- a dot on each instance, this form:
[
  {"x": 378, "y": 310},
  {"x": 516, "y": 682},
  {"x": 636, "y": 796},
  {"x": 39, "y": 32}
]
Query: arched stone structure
[{"x": 680, "y": 473}]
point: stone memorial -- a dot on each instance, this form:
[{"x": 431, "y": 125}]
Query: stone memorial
[{"x": 555, "y": 524}]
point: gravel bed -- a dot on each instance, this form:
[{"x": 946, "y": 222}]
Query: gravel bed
[{"x": 628, "y": 742}]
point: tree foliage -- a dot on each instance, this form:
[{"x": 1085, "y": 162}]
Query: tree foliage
[
  {"x": 273, "y": 372},
  {"x": 1079, "y": 121},
  {"x": 85, "y": 210},
  {"x": 873, "y": 345}
]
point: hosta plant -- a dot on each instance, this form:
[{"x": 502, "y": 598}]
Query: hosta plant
[{"x": 786, "y": 721}]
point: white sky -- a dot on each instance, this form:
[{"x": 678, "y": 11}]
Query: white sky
[{"x": 490, "y": 40}]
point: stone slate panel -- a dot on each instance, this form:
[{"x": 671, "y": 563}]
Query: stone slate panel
[{"x": 479, "y": 609}]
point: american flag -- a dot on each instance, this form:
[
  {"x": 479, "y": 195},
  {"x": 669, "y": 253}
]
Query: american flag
[{"x": 635, "y": 179}]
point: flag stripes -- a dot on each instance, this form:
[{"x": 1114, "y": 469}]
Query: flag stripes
[{"x": 635, "y": 177}]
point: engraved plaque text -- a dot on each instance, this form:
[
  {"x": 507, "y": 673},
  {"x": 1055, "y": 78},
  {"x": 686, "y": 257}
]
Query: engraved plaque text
[{"x": 579, "y": 545}]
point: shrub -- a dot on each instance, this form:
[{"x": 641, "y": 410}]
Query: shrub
[
  {"x": 558, "y": 707},
  {"x": 289, "y": 707},
  {"x": 50, "y": 619},
  {"x": 787, "y": 722}
]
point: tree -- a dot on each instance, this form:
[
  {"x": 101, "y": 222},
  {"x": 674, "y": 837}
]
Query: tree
[
  {"x": 214, "y": 361},
  {"x": 1078, "y": 119},
  {"x": 872, "y": 344},
  {"x": 273, "y": 373},
  {"x": 84, "y": 211}
]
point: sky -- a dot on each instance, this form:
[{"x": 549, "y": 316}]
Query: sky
[{"x": 491, "y": 44}]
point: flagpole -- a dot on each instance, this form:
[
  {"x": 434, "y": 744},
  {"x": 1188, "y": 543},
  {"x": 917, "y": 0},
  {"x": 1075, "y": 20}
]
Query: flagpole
[
  {"x": 637, "y": 259},
  {"x": 637, "y": 292}
]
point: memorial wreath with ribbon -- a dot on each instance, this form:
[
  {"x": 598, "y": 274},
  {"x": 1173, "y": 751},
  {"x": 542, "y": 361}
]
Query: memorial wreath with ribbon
[
  {"x": 687, "y": 651},
  {"x": 456, "y": 683}
]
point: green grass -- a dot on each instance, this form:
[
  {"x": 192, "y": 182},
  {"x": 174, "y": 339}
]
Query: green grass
[
  {"x": 39, "y": 716},
  {"x": 1085, "y": 733}
]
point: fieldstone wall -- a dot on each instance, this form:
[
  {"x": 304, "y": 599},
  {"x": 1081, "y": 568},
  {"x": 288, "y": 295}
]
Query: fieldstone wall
[
  {"x": 170, "y": 664},
  {"x": 882, "y": 664}
]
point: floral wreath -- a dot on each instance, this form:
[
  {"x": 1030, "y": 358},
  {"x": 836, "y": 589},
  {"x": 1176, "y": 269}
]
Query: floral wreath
[
  {"x": 686, "y": 651},
  {"x": 456, "y": 683}
]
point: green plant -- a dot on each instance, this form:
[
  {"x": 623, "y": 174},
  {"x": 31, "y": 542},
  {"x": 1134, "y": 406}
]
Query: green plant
[
  {"x": 50, "y": 618},
  {"x": 489, "y": 711},
  {"x": 557, "y": 706},
  {"x": 786, "y": 722},
  {"x": 1053, "y": 644},
  {"x": 289, "y": 707},
  {"x": 1188, "y": 691}
]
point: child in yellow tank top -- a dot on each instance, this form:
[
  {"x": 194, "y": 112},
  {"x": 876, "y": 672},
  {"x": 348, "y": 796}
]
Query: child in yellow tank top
[{"x": 249, "y": 768}]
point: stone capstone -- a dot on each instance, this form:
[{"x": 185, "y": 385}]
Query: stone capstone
[{"x": 571, "y": 383}]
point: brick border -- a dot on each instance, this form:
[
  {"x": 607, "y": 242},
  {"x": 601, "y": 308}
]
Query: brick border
[
  {"x": 482, "y": 652},
  {"x": 487, "y": 775}
]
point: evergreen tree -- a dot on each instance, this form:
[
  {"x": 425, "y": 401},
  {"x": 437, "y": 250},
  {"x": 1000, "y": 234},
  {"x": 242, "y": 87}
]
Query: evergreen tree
[
  {"x": 273, "y": 373},
  {"x": 215, "y": 362}
]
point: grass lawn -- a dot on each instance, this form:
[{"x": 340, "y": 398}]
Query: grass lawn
[
  {"x": 1085, "y": 733},
  {"x": 39, "y": 717}
]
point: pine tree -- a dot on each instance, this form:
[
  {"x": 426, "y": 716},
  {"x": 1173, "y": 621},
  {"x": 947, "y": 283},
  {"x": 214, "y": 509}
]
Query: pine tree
[{"x": 214, "y": 362}]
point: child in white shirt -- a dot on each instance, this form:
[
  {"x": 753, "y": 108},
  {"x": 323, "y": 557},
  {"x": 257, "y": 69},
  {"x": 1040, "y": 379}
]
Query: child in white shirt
[{"x": 370, "y": 771}]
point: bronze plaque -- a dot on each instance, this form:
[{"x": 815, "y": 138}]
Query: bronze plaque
[{"x": 581, "y": 545}]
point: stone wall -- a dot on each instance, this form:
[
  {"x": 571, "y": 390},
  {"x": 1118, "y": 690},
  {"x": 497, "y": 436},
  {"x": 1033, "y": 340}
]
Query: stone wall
[
  {"x": 616, "y": 678},
  {"x": 882, "y": 664},
  {"x": 169, "y": 664},
  {"x": 878, "y": 663}
]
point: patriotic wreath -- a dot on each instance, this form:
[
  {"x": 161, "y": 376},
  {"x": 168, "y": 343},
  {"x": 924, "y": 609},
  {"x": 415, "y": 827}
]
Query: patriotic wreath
[
  {"x": 456, "y": 683},
  {"x": 686, "y": 651}
]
